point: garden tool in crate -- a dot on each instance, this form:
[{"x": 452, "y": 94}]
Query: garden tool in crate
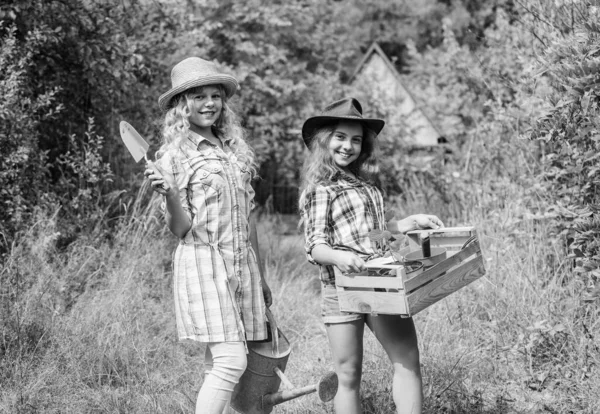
[{"x": 258, "y": 389}]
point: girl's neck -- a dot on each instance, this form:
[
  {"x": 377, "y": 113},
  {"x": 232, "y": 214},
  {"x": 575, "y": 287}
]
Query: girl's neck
[
  {"x": 208, "y": 134},
  {"x": 347, "y": 172}
]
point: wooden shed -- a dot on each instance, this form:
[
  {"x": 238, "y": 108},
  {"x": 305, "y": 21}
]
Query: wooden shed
[{"x": 379, "y": 79}]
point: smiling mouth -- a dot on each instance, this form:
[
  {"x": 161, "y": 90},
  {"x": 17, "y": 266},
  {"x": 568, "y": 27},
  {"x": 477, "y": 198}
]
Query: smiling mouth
[{"x": 344, "y": 155}]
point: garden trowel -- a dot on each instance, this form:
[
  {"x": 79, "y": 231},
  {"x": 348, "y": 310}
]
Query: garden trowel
[
  {"x": 134, "y": 142},
  {"x": 137, "y": 146}
]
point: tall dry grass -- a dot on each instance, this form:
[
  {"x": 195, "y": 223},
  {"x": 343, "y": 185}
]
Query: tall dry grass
[{"x": 91, "y": 329}]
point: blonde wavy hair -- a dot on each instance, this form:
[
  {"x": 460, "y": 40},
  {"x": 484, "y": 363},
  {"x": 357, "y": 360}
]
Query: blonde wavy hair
[
  {"x": 176, "y": 127},
  {"x": 320, "y": 168}
]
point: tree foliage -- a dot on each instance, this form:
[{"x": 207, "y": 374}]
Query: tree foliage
[
  {"x": 24, "y": 165},
  {"x": 570, "y": 128},
  {"x": 71, "y": 71}
]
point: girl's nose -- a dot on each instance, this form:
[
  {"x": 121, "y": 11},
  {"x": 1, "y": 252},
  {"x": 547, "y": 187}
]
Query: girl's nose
[{"x": 210, "y": 102}]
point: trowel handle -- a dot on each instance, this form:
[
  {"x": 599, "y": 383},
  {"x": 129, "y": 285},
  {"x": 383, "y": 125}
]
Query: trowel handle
[
  {"x": 274, "y": 334},
  {"x": 150, "y": 164}
]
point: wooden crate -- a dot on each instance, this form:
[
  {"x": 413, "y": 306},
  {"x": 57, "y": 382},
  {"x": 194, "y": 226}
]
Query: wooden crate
[{"x": 407, "y": 294}]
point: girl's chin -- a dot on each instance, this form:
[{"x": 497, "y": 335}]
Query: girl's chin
[
  {"x": 343, "y": 167},
  {"x": 343, "y": 163},
  {"x": 204, "y": 122}
]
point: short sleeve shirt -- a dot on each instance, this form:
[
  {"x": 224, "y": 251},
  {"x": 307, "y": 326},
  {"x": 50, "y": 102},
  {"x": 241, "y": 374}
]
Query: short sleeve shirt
[{"x": 340, "y": 215}]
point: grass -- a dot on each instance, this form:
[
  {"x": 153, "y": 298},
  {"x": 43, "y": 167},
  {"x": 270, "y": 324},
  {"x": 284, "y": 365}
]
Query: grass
[{"x": 91, "y": 329}]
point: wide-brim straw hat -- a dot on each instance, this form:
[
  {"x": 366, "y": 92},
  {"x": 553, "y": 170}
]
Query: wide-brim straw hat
[
  {"x": 193, "y": 72},
  {"x": 347, "y": 109}
]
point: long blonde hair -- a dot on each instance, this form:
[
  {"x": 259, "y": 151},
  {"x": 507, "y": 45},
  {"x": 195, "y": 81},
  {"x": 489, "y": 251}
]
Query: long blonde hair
[
  {"x": 320, "y": 168},
  {"x": 176, "y": 127}
]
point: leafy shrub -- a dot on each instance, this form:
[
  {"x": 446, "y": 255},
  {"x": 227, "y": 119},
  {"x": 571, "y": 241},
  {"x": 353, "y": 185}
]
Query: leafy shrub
[
  {"x": 570, "y": 133},
  {"x": 23, "y": 165}
]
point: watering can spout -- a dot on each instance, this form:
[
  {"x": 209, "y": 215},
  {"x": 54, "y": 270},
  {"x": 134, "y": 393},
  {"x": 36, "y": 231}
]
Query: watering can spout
[{"x": 326, "y": 389}]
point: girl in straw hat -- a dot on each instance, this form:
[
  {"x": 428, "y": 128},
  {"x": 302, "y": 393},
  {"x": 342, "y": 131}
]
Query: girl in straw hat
[
  {"x": 204, "y": 172},
  {"x": 340, "y": 207}
]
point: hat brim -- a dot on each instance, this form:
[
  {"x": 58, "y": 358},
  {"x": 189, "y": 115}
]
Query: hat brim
[
  {"x": 229, "y": 83},
  {"x": 316, "y": 122}
]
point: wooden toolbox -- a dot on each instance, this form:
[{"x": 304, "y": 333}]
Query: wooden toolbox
[{"x": 406, "y": 293}]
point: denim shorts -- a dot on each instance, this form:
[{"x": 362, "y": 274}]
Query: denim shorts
[{"x": 330, "y": 307}]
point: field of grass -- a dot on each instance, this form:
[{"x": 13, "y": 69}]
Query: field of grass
[{"x": 90, "y": 328}]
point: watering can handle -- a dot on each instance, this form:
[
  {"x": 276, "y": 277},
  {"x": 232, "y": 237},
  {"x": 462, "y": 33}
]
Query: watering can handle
[{"x": 274, "y": 334}]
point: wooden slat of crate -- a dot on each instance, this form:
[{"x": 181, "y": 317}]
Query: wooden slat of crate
[
  {"x": 364, "y": 282},
  {"x": 439, "y": 269},
  {"x": 445, "y": 285},
  {"x": 356, "y": 293}
]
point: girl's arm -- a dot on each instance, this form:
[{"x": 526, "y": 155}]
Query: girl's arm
[
  {"x": 415, "y": 222},
  {"x": 177, "y": 219},
  {"x": 347, "y": 262},
  {"x": 317, "y": 203},
  {"x": 261, "y": 266}
]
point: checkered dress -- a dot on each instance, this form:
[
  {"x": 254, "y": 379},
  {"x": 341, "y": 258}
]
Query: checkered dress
[
  {"x": 217, "y": 285},
  {"x": 341, "y": 215}
]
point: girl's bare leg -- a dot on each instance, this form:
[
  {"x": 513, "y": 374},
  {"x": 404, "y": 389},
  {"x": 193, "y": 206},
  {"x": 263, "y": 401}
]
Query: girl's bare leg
[
  {"x": 399, "y": 340},
  {"x": 346, "y": 344}
]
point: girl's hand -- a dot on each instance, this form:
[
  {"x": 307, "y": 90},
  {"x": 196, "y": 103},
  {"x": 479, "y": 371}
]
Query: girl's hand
[
  {"x": 159, "y": 181},
  {"x": 348, "y": 262},
  {"x": 426, "y": 221},
  {"x": 267, "y": 294}
]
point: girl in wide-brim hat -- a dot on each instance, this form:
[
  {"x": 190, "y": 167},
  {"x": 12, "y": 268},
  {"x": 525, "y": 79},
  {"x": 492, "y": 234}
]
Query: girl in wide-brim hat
[
  {"x": 204, "y": 173},
  {"x": 340, "y": 207}
]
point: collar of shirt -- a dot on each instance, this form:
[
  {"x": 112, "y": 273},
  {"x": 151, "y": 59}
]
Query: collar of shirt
[
  {"x": 194, "y": 140},
  {"x": 341, "y": 176}
]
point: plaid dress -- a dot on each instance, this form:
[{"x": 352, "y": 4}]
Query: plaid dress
[
  {"x": 217, "y": 284},
  {"x": 340, "y": 215}
]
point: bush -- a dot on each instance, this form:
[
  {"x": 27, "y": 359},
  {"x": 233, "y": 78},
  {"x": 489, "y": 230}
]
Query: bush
[
  {"x": 23, "y": 165},
  {"x": 570, "y": 133}
]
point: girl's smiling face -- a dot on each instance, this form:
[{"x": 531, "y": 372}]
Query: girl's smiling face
[
  {"x": 345, "y": 144},
  {"x": 206, "y": 104}
]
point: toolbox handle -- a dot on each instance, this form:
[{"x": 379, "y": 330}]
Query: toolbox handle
[
  {"x": 425, "y": 244},
  {"x": 468, "y": 242}
]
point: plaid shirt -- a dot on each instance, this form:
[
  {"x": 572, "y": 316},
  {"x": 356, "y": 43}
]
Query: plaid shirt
[
  {"x": 217, "y": 283},
  {"x": 341, "y": 215}
]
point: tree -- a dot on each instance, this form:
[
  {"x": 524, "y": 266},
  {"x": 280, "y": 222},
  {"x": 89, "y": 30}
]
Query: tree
[
  {"x": 69, "y": 69},
  {"x": 569, "y": 130}
]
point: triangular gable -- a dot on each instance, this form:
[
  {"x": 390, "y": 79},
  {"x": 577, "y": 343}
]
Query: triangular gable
[{"x": 377, "y": 71}]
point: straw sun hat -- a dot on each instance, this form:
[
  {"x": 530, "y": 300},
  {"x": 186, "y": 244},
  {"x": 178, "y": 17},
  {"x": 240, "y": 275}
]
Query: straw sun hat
[
  {"x": 192, "y": 72},
  {"x": 347, "y": 109}
]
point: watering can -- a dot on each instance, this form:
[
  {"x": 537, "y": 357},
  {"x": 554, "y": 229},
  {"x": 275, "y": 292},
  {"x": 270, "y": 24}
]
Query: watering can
[{"x": 257, "y": 392}]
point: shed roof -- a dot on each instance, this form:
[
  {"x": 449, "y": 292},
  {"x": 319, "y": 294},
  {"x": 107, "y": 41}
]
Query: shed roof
[{"x": 375, "y": 61}]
